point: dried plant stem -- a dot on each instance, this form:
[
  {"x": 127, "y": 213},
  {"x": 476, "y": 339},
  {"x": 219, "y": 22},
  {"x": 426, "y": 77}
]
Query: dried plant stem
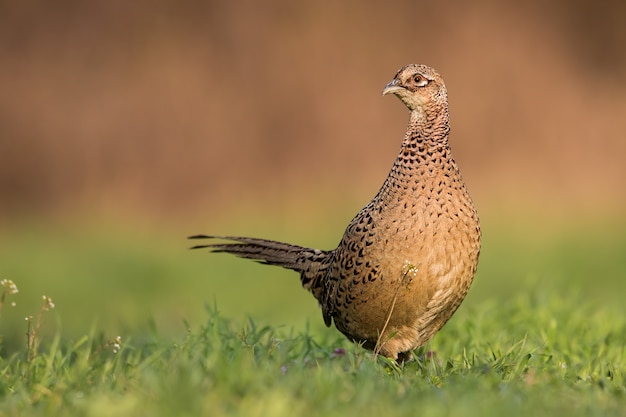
[
  {"x": 32, "y": 341},
  {"x": 31, "y": 334},
  {"x": 409, "y": 272}
]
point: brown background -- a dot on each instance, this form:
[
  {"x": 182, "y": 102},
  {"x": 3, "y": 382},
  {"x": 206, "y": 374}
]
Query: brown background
[{"x": 175, "y": 109}]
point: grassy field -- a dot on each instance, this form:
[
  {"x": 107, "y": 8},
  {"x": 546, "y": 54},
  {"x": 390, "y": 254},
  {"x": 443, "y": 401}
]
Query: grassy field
[{"x": 542, "y": 332}]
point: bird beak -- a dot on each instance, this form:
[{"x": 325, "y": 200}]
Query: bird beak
[{"x": 392, "y": 87}]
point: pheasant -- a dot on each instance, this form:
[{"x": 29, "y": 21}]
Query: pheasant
[{"x": 408, "y": 258}]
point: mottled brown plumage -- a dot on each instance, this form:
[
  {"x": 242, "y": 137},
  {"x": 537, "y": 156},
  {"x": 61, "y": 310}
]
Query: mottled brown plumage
[{"x": 407, "y": 259}]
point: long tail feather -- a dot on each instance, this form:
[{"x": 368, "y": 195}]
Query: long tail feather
[
  {"x": 312, "y": 264},
  {"x": 265, "y": 251}
]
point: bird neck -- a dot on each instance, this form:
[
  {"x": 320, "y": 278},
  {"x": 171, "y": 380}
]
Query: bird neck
[
  {"x": 424, "y": 158},
  {"x": 427, "y": 125},
  {"x": 424, "y": 163},
  {"x": 425, "y": 141}
]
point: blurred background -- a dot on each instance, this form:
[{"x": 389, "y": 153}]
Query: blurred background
[{"x": 126, "y": 126}]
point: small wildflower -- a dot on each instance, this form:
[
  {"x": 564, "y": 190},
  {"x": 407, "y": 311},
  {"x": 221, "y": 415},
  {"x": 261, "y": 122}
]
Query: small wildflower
[
  {"x": 117, "y": 344},
  {"x": 47, "y": 303},
  {"x": 13, "y": 304},
  {"x": 338, "y": 352},
  {"x": 409, "y": 269},
  {"x": 9, "y": 286}
]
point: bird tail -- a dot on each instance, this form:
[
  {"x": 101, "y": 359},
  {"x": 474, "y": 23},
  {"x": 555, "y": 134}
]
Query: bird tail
[{"x": 310, "y": 263}]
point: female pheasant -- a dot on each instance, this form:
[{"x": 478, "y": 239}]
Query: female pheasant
[{"x": 407, "y": 259}]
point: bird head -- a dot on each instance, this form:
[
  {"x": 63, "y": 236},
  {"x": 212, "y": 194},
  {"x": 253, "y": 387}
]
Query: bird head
[{"x": 419, "y": 87}]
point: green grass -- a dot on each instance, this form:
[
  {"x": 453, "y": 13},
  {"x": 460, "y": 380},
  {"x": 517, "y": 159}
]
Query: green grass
[
  {"x": 542, "y": 332},
  {"x": 532, "y": 357}
]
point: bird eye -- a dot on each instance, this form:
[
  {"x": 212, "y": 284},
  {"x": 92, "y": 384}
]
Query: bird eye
[{"x": 420, "y": 80}]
